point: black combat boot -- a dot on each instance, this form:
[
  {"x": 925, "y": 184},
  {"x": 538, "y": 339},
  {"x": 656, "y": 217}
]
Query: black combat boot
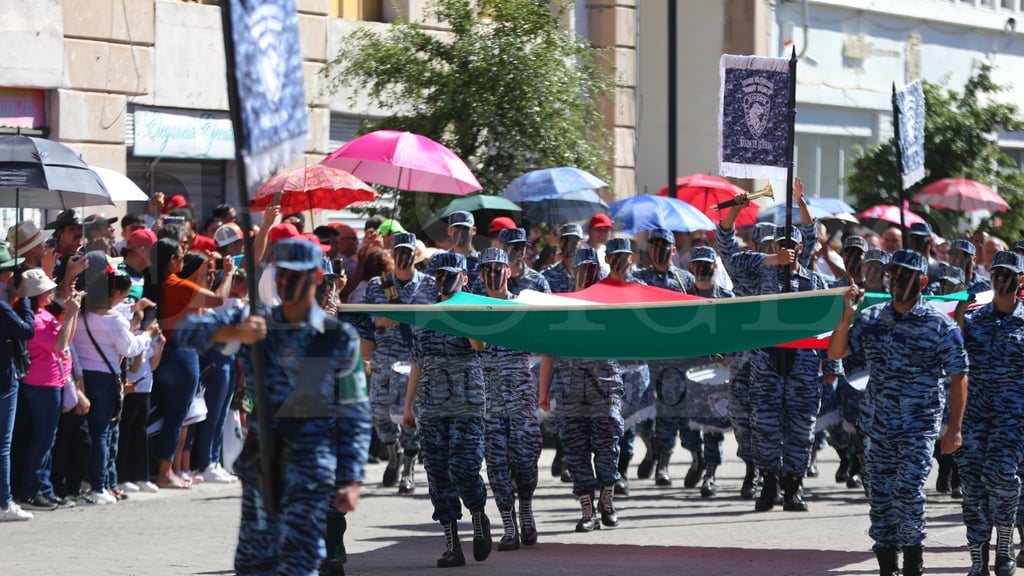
[
  {"x": 394, "y": 461},
  {"x": 888, "y": 563},
  {"x": 526, "y": 522},
  {"x": 749, "y": 488},
  {"x": 558, "y": 464},
  {"x": 945, "y": 469},
  {"x": 646, "y": 467},
  {"x": 453, "y": 548},
  {"x": 696, "y": 470},
  {"x": 843, "y": 471},
  {"x": 955, "y": 487},
  {"x": 812, "y": 468},
  {"x": 407, "y": 485},
  {"x": 913, "y": 560},
  {"x": 1006, "y": 565},
  {"x": 588, "y": 523},
  {"x": 855, "y": 478},
  {"x": 661, "y": 477},
  {"x": 979, "y": 558},
  {"x": 608, "y": 515},
  {"x": 1020, "y": 554},
  {"x": 769, "y": 491},
  {"x": 793, "y": 494},
  {"x": 482, "y": 543},
  {"x": 622, "y": 485},
  {"x": 708, "y": 488},
  {"x": 510, "y": 539},
  {"x": 334, "y": 563}
]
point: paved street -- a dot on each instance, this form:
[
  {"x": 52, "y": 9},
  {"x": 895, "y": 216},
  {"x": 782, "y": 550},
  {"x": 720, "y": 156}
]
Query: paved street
[{"x": 662, "y": 531}]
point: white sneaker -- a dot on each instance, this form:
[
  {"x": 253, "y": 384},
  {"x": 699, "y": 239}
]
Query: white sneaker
[
  {"x": 149, "y": 487},
  {"x": 215, "y": 475},
  {"x": 100, "y": 498},
  {"x": 128, "y": 487},
  {"x": 14, "y": 513}
]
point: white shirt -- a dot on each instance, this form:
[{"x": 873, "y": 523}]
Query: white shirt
[
  {"x": 268, "y": 287},
  {"x": 113, "y": 334},
  {"x": 143, "y": 377}
]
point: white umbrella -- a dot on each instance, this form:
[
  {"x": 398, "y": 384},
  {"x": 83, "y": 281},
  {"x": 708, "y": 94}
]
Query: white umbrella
[{"x": 121, "y": 189}]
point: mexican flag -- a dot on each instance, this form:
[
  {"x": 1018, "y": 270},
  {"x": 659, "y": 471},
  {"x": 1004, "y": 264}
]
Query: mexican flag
[{"x": 625, "y": 321}]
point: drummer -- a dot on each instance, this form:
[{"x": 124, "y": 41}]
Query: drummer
[{"x": 703, "y": 263}]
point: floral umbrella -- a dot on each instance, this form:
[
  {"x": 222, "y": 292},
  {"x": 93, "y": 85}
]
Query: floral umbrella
[{"x": 311, "y": 187}]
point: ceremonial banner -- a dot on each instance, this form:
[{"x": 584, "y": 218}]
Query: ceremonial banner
[
  {"x": 908, "y": 106},
  {"x": 754, "y": 118},
  {"x": 634, "y": 322},
  {"x": 267, "y": 62}
]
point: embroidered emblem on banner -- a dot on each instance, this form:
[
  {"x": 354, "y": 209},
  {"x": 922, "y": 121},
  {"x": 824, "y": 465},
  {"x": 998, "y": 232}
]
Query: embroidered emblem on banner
[{"x": 757, "y": 104}]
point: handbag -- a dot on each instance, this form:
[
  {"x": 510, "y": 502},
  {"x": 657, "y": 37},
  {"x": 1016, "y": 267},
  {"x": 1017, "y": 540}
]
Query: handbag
[
  {"x": 118, "y": 376},
  {"x": 22, "y": 359},
  {"x": 197, "y": 410},
  {"x": 68, "y": 393}
]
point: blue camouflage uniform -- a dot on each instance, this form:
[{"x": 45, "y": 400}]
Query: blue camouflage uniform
[
  {"x": 908, "y": 355},
  {"x": 559, "y": 278},
  {"x": 313, "y": 354},
  {"x": 784, "y": 399},
  {"x": 993, "y": 425},
  {"x": 394, "y": 345}
]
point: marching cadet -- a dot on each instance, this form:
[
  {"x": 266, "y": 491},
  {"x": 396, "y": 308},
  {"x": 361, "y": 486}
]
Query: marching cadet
[
  {"x": 561, "y": 280},
  {"x": 661, "y": 246},
  {"x": 962, "y": 255},
  {"x": 446, "y": 384},
  {"x": 391, "y": 345},
  {"x": 589, "y": 406},
  {"x": 512, "y": 432},
  {"x": 947, "y": 481},
  {"x": 461, "y": 230},
  {"x": 636, "y": 377},
  {"x": 785, "y": 391},
  {"x": 909, "y": 347},
  {"x": 993, "y": 424},
  {"x": 703, "y": 263},
  {"x": 874, "y": 273},
  {"x": 521, "y": 276},
  {"x": 303, "y": 346}
]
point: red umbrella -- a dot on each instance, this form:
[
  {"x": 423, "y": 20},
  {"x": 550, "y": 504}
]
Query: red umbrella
[
  {"x": 702, "y": 191},
  {"x": 888, "y": 213},
  {"x": 961, "y": 194},
  {"x": 312, "y": 187}
]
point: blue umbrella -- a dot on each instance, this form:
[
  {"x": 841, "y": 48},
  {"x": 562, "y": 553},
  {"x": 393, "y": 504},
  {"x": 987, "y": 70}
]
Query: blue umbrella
[
  {"x": 830, "y": 205},
  {"x": 646, "y": 212},
  {"x": 777, "y": 214},
  {"x": 551, "y": 183},
  {"x": 568, "y": 207}
]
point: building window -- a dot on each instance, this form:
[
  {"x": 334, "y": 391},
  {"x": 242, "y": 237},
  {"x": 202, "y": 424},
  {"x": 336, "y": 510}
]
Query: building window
[
  {"x": 1016, "y": 158},
  {"x": 822, "y": 162},
  {"x": 364, "y": 10}
]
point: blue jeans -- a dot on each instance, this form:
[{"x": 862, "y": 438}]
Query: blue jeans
[
  {"x": 175, "y": 382},
  {"x": 44, "y": 405},
  {"x": 102, "y": 393},
  {"x": 8, "y": 408},
  {"x": 219, "y": 388}
]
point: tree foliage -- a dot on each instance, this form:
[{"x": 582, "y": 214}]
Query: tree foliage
[
  {"x": 960, "y": 142},
  {"x": 509, "y": 89}
]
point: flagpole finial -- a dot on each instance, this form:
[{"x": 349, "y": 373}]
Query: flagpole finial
[{"x": 792, "y": 54}]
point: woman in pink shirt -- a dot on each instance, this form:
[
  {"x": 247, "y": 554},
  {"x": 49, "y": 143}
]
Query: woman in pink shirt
[{"x": 41, "y": 388}]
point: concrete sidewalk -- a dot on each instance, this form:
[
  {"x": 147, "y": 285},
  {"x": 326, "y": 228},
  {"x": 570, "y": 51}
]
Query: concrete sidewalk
[{"x": 663, "y": 531}]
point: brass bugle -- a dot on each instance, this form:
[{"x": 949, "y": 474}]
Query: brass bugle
[{"x": 765, "y": 192}]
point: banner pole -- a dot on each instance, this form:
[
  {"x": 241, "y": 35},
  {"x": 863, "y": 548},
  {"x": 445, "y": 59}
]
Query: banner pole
[
  {"x": 673, "y": 96},
  {"x": 261, "y": 400},
  {"x": 900, "y": 192},
  {"x": 791, "y": 145}
]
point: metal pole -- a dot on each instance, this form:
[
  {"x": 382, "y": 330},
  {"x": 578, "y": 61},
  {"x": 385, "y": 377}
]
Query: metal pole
[
  {"x": 900, "y": 192},
  {"x": 791, "y": 145},
  {"x": 672, "y": 99},
  {"x": 261, "y": 401}
]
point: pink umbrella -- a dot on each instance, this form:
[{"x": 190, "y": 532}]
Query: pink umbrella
[
  {"x": 891, "y": 214},
  {"x": 961, "y": 194},
  {"x": 405, "y": 161}
]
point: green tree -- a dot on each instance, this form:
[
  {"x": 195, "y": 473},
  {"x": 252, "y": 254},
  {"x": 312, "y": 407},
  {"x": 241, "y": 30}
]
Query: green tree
[
  {"x": 959, "y": 142},
  {"x": 509, "y": 90}
]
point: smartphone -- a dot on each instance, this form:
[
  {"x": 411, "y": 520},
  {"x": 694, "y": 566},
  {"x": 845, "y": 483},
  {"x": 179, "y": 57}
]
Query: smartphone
[{"x": 177, "y": 220}]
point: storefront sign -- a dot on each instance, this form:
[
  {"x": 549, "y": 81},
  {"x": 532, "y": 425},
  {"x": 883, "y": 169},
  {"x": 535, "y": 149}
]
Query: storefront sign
[
  {"x": 21, "y": 108},
  {"x": 163, "y": 133}
]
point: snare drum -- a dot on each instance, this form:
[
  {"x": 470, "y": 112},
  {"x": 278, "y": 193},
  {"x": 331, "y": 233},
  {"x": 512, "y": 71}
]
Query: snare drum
[{"x": 707, "y": 397}]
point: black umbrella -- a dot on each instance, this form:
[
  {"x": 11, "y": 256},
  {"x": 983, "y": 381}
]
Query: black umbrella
[
  {"x": 39, "y": 173},
  {"x": 569, "y": 207}
]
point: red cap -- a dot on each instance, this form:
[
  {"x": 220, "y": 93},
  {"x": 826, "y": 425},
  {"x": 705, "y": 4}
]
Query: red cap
[
  {"x": 282, "y": 231},
  {"x": 316, "y": 241},
  {"x": 501, "y": 223},
  {"x": 175, "y": 202},
  {"x": 601, "y": 221},
  {"x": 203, "y": 244},
  {"x": 143, "y": 238}
]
